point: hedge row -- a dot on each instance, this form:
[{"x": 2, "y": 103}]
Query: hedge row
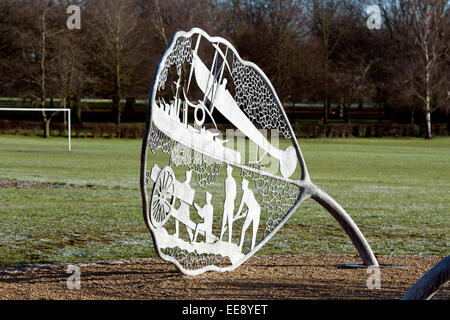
[
  {"x": 107, "y": 130},
  {"x": 91, "y": 130},
  {"x": 368, "y": 130}
]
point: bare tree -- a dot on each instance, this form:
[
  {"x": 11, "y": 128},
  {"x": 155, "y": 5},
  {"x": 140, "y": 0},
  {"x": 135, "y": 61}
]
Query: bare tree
[
  {"x": 71, "y": 75},
  {"x": 287, "y": 22},
  {"x": 38, "y": 26},
  {"x": 5, "y": 40},
  {"x": 9, "y": 49},
  {"x": 114, "y": 46},
  {"x": 428, "y": 25},
  {"x": 70, "y": 61},
  {"x": 311, "y": 50},
  {"x": 419, "y": 29},
  {"x": 161, "y": 19},
  {"x": 353, "y": 84},
  {"x": 270, "y": 34},
  {"x": 323, "y": 17},
  {"x": 354, "y": 59}
]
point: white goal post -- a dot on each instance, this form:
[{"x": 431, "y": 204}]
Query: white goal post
[{"x": 45, "y": 109}]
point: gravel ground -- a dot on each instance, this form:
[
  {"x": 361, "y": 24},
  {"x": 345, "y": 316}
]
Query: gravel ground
[{"x": 261, "y": 277}]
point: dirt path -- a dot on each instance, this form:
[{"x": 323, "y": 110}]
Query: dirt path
[{"x": 261, "y": 277}]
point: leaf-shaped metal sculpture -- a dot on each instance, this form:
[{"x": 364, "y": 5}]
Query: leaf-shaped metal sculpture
[{"x": 215, "y": 187}]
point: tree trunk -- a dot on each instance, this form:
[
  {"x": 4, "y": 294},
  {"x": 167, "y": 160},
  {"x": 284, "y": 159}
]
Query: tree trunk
[
  {"x": 380, "y": 112},
  {"x": 129, "y": 104},
  {"x": 78, "y": 107},
  {"x": 346, "y": 113},
  {"x": 116, "y": 109},
  {"x": 75, "y": 107},
  {"x": 448, "y": 123},
  {"x": 428, "y": 118},
  {"x": 428, "y": 105},
  {"x": 326, "y": 111},
  {"x": 428, "y": 93},
  {"x": 46, "y": 127}
]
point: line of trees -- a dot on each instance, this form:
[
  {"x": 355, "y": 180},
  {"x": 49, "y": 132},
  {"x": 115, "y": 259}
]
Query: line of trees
[{"x": 312, "y": 50}]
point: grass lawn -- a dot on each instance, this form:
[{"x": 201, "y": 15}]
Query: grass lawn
[{"x": 396, "y": 190}]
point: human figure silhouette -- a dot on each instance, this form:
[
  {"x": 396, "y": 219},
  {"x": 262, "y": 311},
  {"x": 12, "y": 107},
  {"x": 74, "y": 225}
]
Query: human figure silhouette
[
  {"x": 228, "y": 208},
  {"x": 253, "y": 213},
  {"x": 207, "y": 214},
  {"x": 184, "y": 208}
]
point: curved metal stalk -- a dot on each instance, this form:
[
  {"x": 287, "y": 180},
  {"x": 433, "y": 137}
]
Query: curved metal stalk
[
  {"x": 430, "y": 282},
  {"x": 346, "y": 223}
]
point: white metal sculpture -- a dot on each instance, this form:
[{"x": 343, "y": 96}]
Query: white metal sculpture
[
  {"x": 228, "y": 214},
  {"x": 430, "y": 283}
]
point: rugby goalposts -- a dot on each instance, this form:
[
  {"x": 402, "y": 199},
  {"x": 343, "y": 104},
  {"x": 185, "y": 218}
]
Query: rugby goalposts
[{"x": 47, "y": 109}]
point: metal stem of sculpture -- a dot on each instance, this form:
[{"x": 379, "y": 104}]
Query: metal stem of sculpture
[
  {"x": 239, "y": 92},
  {"x": 347, "y": 224},
  {"x": 426, "y": 287}
]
